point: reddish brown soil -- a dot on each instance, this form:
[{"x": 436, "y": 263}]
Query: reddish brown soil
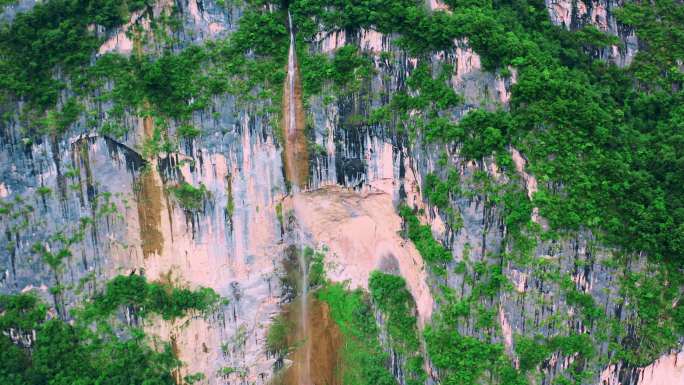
[
  {"x": 324, "y": 341},
  {"x": 296, "y": 156}
]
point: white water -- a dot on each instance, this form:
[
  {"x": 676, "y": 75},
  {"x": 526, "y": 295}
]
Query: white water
[
  {"x": 305, "y": 366},
  {"x": 305, "y": 372},
  {"x": 292, "y": 124}
]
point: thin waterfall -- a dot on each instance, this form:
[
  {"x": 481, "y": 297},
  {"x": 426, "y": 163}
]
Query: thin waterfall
[
  {"x": 292, "y": 124},
  {"x": 305, "y": 372},
  {"x": 295, "y": 154},
  {"x": 305, "y": 366}
]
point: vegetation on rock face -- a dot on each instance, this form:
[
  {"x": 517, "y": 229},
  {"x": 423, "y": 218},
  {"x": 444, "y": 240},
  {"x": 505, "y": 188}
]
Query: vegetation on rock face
[
  {"x": 395, "y": 301},
  {"x": 4, "y": 3},
  {"x": 347, "y": 69},
  {"x": 173, "y": 83},
  {"x": 191, "y": 198},
  {"x": 362, "y": 358},
  {"x": 427, "y": 93},
  {"x": 316, "y": 267},
  {"x": 48, "y": 50},
  {"x": 276, "y": 339},
  {"x": 390, "y": 295},
  {"x": 464, "y": 359},
  {"x": 38, "y": 349},
  {"x": 580, "y": 121},
  {"x": 54, "y": 37},
  {"x": 605, "y": 144},
  {"x": 603, "y": 141},
  {"x": 134, "y": 292},
  {"x": 421, "y": 235},
  {"x": 364, "y": 362}
]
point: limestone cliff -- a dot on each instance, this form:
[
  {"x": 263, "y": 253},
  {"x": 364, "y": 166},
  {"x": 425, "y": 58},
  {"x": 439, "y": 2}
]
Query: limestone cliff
[{"x": 234, "y": 237}]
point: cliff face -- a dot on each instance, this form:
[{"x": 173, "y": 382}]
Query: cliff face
[
  {"x": 234, "y": 239},
  {"x": 577, "y": 14}
]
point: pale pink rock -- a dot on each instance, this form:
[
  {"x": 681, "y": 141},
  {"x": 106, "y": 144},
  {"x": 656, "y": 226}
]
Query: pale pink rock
[
  {"x": 506, "y": 330},
  {"x": 529, "y": 180},
  {"x": 119, "y": 43},
  {"x": 599, "y": 16},
  {"x": 216, "y": 28},
  {"x": 437, "y": 5},
  {"x": 194, "y": 11},
  {"x": 519, "y": 280},
  {"x": 581, "y": 8},
  {"x": 667, "y": 370},
  {"x": 208, "y": 252},
  {"x": 381, "y": 160},
  {"x": 414, "y": 198},
  {"x": 467, "y": 61},
  {"x": 361, "y": 233},
  {"x": 560, "y": 11},
  {"x": 330, "y": 41},
  {"x": 371, "y": 41}
]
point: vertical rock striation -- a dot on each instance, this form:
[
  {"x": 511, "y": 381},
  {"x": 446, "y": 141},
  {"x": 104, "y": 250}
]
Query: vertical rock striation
[{"x": 235, "y": 240}]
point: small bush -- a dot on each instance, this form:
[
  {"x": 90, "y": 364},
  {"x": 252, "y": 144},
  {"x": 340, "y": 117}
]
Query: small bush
[{"x": 189, "y": 197}]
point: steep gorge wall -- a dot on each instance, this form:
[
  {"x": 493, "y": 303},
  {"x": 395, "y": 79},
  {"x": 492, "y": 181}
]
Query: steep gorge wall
[
  {"x": 536, "y": 305},
  {"x": 235, "y": 241},
  {"x": 230, "y": 243},
  {"x": 577, "y": 14}
]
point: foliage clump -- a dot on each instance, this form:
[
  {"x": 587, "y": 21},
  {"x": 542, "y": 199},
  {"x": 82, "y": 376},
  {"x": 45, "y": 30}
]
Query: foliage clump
[
  {"x": 421, "y": 235},
  {"x": 396, "y": 303},
  {"x": 277, "y": 337},
  {"x": 364, "y": 361},
  {"x": 316, "y": 266},
  {"x": 35, "y": 349},
  {"x": 463, "y": 359},
  {"x": 151, "y": 298},
  {"x": 191, "y": 198},
  {"x": 53, "y": 36},
  {"x": 346, "y": 70}
]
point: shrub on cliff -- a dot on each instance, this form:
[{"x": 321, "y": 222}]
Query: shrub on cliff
[{"x": 39, "y": 350}]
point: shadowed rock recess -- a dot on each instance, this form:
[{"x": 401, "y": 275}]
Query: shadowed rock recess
[{"x": 342, "y": 192}]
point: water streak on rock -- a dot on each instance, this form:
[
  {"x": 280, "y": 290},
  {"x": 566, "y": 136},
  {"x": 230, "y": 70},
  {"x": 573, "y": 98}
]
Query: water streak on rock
[{"x": 296, "y": 156}]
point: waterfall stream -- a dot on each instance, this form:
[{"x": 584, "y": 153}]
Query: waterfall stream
[
  {"x": 294, "y": 135},
  {"x": 305, "y": 365},
  {"x": 291, "y": 75},
  {"x": 295, "y": 145}
]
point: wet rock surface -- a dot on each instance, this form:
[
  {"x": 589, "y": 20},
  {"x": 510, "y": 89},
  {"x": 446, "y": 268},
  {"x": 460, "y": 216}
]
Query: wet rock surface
[{"x": 348, "y": 206}]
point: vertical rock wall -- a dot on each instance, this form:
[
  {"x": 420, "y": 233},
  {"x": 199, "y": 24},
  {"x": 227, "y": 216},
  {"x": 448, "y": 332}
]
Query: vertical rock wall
[{"x": 235, "y": 242}]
